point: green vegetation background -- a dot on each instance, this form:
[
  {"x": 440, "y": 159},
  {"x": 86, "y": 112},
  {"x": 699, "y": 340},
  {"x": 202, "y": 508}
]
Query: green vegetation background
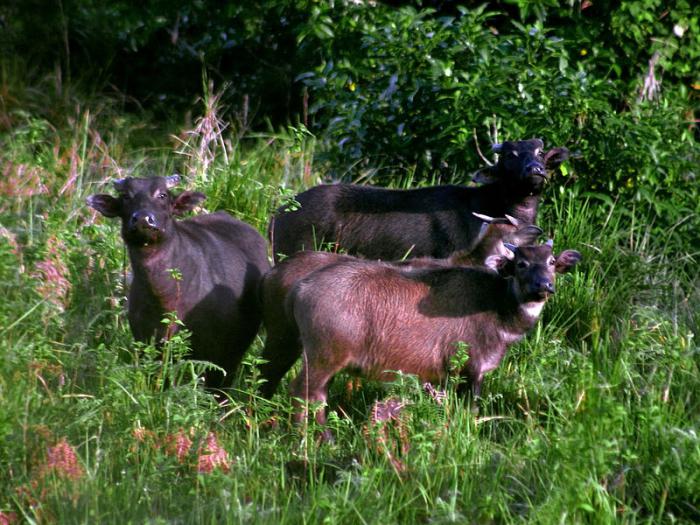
[{"x": 593, "y": 418}]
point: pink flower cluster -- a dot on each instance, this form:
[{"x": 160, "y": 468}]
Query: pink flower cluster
[
  {"x": 209, "y": 457},
  {"x": 62, "y": 460}
]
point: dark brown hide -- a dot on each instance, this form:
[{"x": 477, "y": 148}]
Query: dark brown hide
[
  {"x": 282, "y": 345},
  {"x": 379, "y": 223},
  {"x": 370, "y": 318},
  {"x": 220, "y": 261}
]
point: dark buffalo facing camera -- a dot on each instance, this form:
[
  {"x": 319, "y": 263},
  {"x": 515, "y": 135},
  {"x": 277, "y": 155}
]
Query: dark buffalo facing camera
[
  {"x": 379, "y": 223},
  {"x": 373, "y": 318},
  {"x": 206, "y": 269},
  {"x": 282, "y": 345}
]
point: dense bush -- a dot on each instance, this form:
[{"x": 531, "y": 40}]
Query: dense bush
[
  {"x": 154, "y": 52},
  {"x": 418, "y": 86}
]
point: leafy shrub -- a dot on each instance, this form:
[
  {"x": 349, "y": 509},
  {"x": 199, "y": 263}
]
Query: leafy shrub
[
  {"x": 420, "y": 90},
  {"x": 418, "y": 87}
]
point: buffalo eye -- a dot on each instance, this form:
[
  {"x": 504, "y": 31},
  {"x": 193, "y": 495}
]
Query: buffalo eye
[
  {"x": 162, "y": 195},
  {"x": 522, "y": 264},
  {"x": 552, "y": 261},
  {"x": 513, "y": 154}
]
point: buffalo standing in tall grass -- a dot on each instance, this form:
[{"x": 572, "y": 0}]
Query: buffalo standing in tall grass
[
  {"x": 371, "y": 318},
  {"x": 282, "y": 344},
  {"x": 206, "y": 269}
]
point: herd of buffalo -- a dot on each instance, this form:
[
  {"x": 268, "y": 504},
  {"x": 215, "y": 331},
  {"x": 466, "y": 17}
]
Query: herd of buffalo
[{"x": 412, "y": 274}]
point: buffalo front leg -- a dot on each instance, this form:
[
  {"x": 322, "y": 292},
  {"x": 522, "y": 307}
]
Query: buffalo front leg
[{"x": 472, "y": 385}]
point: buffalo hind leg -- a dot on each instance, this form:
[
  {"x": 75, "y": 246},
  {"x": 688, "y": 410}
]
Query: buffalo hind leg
[{"x": 311, "y": 386}]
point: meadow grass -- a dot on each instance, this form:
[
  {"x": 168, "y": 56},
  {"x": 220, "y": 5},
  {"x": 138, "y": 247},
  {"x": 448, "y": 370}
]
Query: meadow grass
[{"x": 592, "y": 418}]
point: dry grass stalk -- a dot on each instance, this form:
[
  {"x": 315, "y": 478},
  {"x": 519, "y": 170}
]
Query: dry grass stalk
[
  {"x": 205, "y": 141},
  {"x": 15, "y": 247},
  {"x": 650, "y": 89},
  {"x": 20, "y": 181}
]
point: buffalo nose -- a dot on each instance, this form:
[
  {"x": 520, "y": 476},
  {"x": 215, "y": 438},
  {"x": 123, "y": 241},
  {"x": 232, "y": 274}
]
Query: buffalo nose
[
  {"x": 141, "y": 218},
  {"x": 547, "y": 286},
  {"x": 535, "y": 168}
]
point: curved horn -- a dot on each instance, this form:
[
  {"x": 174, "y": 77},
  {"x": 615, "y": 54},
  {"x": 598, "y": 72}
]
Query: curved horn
[
  {"x": 483, "y": 217},
  {"x": 513, "y": 220},
  {"x": 496, "y": 148},
  {"x": 511, "y": 247},
  {"x": 172, "y": 180}
]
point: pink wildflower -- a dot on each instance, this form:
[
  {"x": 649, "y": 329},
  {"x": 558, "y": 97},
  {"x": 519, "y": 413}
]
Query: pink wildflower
[
  {"x": 52, "y": 275},
  {"x": 214, "y": 456},
  {"x": 438, "y": 395},
  {"x": 387, "y": 410},
  {"x": 178, "y": 445},
  {"x": 62, "y": 460},
  {"x": 7, "y": 518}
]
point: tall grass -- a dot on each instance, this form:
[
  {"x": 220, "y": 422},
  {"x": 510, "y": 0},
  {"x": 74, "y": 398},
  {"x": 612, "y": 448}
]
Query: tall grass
[{"x": 592, "y": 418}]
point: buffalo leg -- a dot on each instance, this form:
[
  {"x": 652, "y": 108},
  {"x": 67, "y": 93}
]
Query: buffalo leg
[
  {"x": 280, "y": 355},
  {"x": 311, "y": 386}
]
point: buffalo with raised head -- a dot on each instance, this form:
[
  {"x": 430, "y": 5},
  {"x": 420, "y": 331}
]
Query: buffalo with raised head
[{"x": 380, "y": 223}]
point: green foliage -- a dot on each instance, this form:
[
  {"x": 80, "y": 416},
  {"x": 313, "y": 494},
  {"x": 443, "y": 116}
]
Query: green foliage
[
  {"x": 419, "y": 87},
  {"x": 643, "y": 27},
  {"x": 593, "y": 417}
]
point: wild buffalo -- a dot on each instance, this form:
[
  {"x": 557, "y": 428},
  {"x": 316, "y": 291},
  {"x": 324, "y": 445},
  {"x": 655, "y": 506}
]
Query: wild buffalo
[
  {"x": 206, "y": 269},
  {"x": 282, "y": 344},
  {"x": 371, "y": 318},
  {"x": 379, "y": 223}
]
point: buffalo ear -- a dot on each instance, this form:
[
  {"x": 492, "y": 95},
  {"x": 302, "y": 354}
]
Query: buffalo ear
[
  {"x": 501, "y": 264},
  {"x": 485, "y": 175},
  {"x": 187, "y": 201},
  {"x": 566, "y": 260},
  {"x": 555, "y": 157},
  {"x": 105, "y": 204}
]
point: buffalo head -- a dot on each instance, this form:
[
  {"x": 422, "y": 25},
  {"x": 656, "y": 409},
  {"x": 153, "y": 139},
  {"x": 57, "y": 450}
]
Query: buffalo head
[
  {"x": 146, "y": 207},
  {"x": 522, "y": 163}
]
